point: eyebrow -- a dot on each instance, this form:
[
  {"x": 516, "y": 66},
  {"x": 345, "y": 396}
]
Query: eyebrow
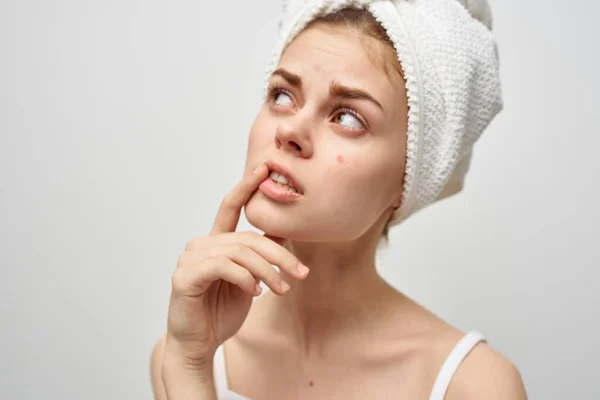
[{"x": 336, "y": 89}]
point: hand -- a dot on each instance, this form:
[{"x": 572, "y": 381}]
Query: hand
[{"x": 217, "y": 276}]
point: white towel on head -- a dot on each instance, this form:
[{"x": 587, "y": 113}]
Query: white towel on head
[{"x": 450, "y": 62}]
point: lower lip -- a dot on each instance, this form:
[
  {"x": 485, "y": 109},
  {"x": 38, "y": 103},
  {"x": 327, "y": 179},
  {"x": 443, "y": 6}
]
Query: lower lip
[{"x": 277, "y": 192}]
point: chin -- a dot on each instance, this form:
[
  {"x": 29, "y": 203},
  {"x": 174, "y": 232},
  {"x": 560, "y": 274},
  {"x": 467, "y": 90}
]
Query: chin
[
  {"x": 277, "y": 220},
  {"x": 271, "y": 219}
]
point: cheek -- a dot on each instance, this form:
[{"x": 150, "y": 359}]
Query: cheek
[
  {"x": 261, "y": 134},
  {"x": 256, "y": 141},
  {"x": 349, "y": 171},
  {"x": 259, "y": 143},
  {"x": 257, "y": 133},
  {"x": 357, "y": 177}
]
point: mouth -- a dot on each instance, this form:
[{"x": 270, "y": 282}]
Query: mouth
[{"x": 284, "y": 178}]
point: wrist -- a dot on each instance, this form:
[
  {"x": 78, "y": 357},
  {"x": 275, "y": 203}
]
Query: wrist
[
  {"x": 188, "y": 355},
  {"x": 182, "y": 382},
  {"x": 175, "y": 364}
]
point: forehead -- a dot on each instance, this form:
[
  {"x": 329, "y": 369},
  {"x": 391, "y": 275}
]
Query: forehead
[{"x": 321, "y": 54}]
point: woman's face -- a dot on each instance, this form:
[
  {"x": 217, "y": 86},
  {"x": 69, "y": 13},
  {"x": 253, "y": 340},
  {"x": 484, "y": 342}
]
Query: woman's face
[{"x": 345, "y": 150}]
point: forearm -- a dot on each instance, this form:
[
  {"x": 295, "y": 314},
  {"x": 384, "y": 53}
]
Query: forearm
[
  {"x": 184, "y": 382},
  {"x": 185, "y": 373},
  {"x": 191, "y": 391},
  {"x": 183, "y": 385}
]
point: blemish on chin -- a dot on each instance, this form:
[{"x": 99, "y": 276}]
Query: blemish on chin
[{"x": 340, "y": 158}]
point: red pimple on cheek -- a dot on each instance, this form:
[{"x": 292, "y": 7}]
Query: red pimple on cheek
[{"x": 340, "y": 159}]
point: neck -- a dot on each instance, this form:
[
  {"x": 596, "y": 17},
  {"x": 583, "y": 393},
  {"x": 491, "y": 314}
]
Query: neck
[{"x": 342, "y": 296}]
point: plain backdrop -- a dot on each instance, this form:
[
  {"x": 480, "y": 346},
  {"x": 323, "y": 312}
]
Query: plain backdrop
[{"x": 124, "y": 123}]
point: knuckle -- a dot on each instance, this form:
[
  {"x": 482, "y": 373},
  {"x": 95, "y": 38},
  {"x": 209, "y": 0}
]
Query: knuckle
[
  {"x": 251, "y": 235},
  {"x": 179, "y": 281},
  {"x": 248, "y": 278},
  {"x": 211, "y": 252},
  {"x": 219, "y": 261},
  {"x": 217, "y": 252},
  {"x": 246, "y": 274},
  {"x": 238, "y": 249},
  {"x": 194, "y": 243}
]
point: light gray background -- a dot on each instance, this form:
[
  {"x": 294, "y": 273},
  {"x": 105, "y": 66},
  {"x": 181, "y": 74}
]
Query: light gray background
[{"x": 124, "y": 123}]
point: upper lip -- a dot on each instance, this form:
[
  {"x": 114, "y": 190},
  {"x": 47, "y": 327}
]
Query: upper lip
[{"x": 280, "y": 169}]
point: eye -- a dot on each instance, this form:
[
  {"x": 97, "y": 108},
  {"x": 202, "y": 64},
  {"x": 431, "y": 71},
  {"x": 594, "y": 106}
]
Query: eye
[
  {"x": 348, "y": 120},
  {"x": 278, "y": 96},
  {"x": 282, "y": 98}
]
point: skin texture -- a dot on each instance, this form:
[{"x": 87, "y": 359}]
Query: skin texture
[
  {"x": 359, "y": 160},
  {"x": 344, "y": 331}
]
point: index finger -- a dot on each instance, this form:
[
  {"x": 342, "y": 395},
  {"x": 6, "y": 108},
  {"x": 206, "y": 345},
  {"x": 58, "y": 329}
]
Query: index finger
[{"x": 229, "y": 211}]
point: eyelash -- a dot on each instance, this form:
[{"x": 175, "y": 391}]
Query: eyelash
[
  {"x": 340, "y": 106},
  {"x": 275, "y": 89}
]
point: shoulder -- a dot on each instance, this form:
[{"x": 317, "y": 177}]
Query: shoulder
[
  {"x": 486, "y": 374},
  {"x": 483, "y": 374}
]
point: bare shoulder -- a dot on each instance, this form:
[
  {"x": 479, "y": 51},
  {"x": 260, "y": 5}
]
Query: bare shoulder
[
  {"x": 483, "y": 374},
  {"x": 486, "y": 374}
]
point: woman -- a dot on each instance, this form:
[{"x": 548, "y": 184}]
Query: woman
[{"x": 371, "y": 112}]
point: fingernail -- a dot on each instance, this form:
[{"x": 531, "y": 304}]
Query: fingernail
[
  {"x": 258, "y": 168},
  {"x": 303, "y": 269},
  {"x": 285, "y": 286}
]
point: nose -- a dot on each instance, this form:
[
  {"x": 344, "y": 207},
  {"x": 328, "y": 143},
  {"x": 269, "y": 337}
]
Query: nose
[{"x": 293, "y": 139}]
